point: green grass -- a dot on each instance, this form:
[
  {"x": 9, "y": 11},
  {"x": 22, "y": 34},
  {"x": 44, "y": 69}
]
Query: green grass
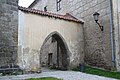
[
  {"x": 100, "y": 72},
  {"x": 44, "y": 78}
]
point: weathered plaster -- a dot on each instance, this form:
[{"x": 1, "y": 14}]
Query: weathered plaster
[
  {"x": 97, "y": 43},
  {"x": 37, "y": 28}
]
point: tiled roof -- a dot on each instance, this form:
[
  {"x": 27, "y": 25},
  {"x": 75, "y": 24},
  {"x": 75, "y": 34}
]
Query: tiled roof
[{"x": 49, "y": 14}]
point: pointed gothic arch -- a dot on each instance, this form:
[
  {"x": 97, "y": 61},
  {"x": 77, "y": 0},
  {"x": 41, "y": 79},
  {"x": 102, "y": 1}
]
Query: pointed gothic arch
[{"x": 59, "y": 58}]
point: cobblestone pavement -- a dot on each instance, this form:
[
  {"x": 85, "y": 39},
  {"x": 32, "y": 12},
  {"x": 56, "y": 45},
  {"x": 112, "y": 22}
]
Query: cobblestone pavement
[{"x": 65, "y": 75}]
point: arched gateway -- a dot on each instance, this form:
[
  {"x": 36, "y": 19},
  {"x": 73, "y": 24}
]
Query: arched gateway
[
  {"x": 54, "y": 52},
  {"x": 50, "y": 40}
]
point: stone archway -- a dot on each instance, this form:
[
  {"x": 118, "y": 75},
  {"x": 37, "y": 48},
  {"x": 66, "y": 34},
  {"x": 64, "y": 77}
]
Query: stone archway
[{"x": 54, "y": 52}]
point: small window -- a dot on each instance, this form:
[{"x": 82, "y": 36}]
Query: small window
[
  {"x": 45, "y": 8},
  {"x": 59, "y": 5}
]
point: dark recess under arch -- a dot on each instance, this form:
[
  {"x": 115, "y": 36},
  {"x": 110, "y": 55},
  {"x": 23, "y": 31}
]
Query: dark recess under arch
[{"x": 62, "y": 50}]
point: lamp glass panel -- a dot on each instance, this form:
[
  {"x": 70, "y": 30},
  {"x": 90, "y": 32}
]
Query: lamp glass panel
[{"x": 96, "y": 17}]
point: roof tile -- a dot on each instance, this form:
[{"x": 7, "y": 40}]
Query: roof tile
[{"x": 49, "y": 14}]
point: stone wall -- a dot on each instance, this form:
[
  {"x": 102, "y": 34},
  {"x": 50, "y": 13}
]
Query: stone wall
[
  {"x": 97, "y": 43},
  {"x": 40, "y": 6},
  {"x": 8, "y": 31},
  {"x": 51, "y": 6},
  {"x": 48, "y": 47}
]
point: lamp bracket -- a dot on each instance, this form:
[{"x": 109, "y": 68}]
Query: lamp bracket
[{"x": 101, "y": 27}]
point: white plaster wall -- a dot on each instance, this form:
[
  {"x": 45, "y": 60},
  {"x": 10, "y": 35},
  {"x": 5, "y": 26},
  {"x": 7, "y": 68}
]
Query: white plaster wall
[
  {"x": 20, "y": 28},
  {"x": 21, "y": 25},
  {"x": 37, "y": 28}
]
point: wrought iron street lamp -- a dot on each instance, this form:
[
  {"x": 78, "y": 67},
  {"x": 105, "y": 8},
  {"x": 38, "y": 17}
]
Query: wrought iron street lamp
[{"x": 96, "y": 18}]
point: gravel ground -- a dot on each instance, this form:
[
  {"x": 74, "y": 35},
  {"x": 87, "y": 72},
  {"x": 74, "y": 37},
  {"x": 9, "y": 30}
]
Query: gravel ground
[{"x": 65, "y": 75}]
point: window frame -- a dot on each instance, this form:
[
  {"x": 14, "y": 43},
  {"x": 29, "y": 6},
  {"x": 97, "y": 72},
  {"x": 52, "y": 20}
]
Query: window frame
[{"x": 58, "y": 4}]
